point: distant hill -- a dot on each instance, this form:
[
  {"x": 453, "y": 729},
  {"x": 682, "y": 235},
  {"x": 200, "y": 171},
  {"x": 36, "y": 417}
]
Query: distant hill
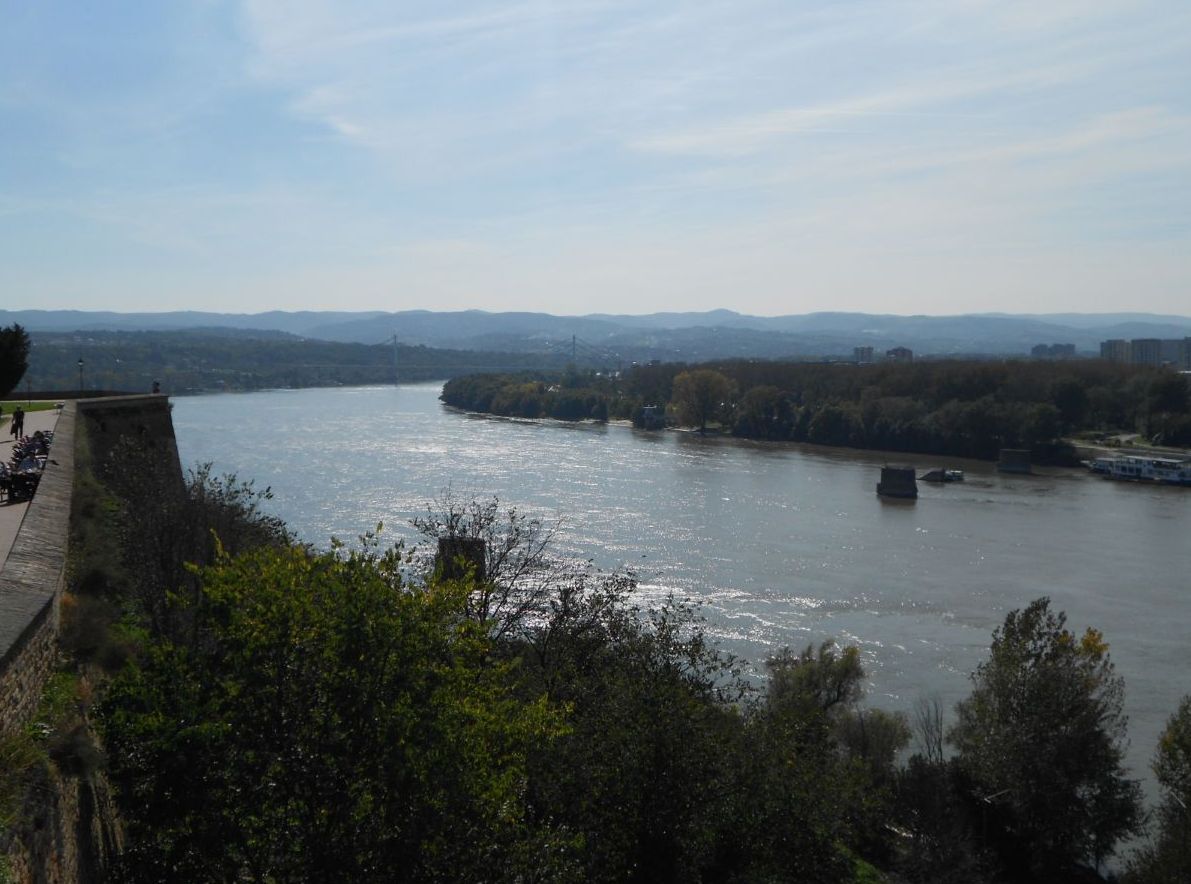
[
  {"x": 198, "y": 360},
  {"x": 691, "y": 337}
]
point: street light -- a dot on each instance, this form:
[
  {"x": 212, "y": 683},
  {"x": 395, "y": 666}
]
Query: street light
[{"x": 80, "y": 375}]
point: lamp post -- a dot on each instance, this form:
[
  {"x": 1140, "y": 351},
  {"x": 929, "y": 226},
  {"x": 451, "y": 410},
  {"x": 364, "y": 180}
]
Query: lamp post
[{"x": 80, "y": 375}]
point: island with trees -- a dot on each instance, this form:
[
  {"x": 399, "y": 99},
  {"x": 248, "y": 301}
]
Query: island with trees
[{"x": 949, "y": 407}]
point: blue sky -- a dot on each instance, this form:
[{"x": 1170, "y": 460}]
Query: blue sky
[{"x": 918, "y": 156}]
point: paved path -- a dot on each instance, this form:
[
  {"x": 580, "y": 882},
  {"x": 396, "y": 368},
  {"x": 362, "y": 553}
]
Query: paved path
[{"x": 11, "y": 514}]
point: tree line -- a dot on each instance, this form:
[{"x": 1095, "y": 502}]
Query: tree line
[
  {"x": 271, "y": 712},
  {"x": 951, "y": 407},
  {"x": 228, "y": 359}
]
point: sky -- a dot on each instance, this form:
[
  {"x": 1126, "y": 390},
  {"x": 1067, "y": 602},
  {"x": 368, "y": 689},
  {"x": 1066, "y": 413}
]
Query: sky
[{"x": 766, "y": 156}]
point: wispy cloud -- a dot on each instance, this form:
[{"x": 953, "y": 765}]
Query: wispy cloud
[{"x": 669, "y": 153}]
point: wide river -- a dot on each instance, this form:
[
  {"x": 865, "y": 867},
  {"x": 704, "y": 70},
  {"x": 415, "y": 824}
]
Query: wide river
[{"x": 781, "y": 544}]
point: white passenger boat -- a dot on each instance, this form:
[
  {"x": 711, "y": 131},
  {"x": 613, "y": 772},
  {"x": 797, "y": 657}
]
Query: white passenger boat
[{"x": 1142, "y": 468}]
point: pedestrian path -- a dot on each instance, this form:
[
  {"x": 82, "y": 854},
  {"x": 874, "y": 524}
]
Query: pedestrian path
[{"x": 11, "y": 514}]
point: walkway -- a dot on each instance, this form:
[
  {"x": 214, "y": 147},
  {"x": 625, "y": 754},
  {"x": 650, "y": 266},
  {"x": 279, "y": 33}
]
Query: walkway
[{"x": 11, "y": 514}]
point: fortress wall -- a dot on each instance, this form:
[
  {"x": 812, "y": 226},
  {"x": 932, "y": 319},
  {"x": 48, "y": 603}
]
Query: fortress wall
[
  {"x": 71, "y": 830},
  {"x": 134, "y": 430},
  {"x": 31, "y": 583}
]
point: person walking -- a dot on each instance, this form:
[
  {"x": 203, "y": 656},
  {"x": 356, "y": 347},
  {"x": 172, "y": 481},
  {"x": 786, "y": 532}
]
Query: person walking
[{"x": 18, "y": 422}]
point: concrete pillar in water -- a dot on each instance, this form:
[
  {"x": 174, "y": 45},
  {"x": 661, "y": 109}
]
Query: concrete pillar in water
[{"x": 898, "y": 482}]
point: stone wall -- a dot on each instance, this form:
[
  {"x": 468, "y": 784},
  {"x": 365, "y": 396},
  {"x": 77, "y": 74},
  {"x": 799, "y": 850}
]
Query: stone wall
[
  {"x": 69, "y": 828},
  {"x": 31, "y": 583}
]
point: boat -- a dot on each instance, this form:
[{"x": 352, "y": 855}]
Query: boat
[
  {"x": 943, "y": 476},
  {"x": 1143, "y": 468}
]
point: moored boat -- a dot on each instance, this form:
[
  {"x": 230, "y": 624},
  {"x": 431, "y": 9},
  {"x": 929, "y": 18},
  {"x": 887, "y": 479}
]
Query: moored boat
[
  {"x": 941, "y": 475},
  {"x": 1143, "y": 468}
]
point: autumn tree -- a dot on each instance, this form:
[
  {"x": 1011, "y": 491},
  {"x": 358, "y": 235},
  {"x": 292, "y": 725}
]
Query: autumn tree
[
  {"x": 1041, "y": 739},
  {"x": 701, "y": 395}
]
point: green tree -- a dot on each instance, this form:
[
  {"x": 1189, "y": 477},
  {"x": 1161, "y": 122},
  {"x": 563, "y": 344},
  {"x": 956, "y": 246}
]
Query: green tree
[
  {"x": 702, "y": 395},
  {"x": 1041, "y": 739},
  {"x": 766, "y": 413},
  {"x": 824, "y": 680},
  {"x": 14, "y": 357},
  {"x": 646, "y": 774},
  {"x": 804, "y": 800},
  {"x": 333, "y": 724},
  {"x": 1167, "y": 858}
]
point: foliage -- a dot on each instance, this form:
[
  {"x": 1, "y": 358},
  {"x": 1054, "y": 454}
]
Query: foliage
[
  {"x": 702, "y": 395},
  {"x": 946, "y": 830},
  {"x": 954, "y": 407},
  {"x": 19, "y": 755},
  {"x": 519, "y": 572},
  {"x": 1042, "y": 739},
  {"x": 336, "y": 723},
  {"x": 569, "y": 397},
  {"x": 291, "y": 715},
  {"x": 645, "y": 772},
  {"x": 1168, "y": 409},
  {"x": 805, "y": 798},
  {"x": 823, "y": 680},
  {"x": 14, "y": 357},
  {"x": 1166, "y": 859},
  {"x": 766, "y": 412}
]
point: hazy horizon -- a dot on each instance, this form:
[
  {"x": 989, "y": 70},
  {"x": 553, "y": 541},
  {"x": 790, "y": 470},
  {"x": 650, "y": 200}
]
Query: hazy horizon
[
  {"x": 904, "y": 157},
  {"x": 1123, "y": 315}
]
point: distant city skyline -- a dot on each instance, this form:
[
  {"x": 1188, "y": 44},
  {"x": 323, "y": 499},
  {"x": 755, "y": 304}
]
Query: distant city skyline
[{"x": 881, "y": 156}]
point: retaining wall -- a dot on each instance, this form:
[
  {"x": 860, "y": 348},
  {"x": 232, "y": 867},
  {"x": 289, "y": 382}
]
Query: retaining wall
[
  {"x": 70, "y": 829},
  {"x": 137, "y": 429},
  {"x": 31, "y": 583}
]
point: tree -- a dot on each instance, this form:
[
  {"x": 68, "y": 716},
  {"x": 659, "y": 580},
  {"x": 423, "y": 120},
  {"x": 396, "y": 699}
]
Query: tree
[
  {"x": 519, "y": 573},
  {"x": 644, "y": 775},
  {"x": 825, "y": 680},
  {"x": 1041, "y": 739},
  {"x": 701, "y": 395},
  {"x": 14, "y": 357},
  {"x": 1167, "y": 858},
  {"x": 809, "y": 792},
  {"x": 766, "y": 412},
  {"x": 335, "y": 724}
]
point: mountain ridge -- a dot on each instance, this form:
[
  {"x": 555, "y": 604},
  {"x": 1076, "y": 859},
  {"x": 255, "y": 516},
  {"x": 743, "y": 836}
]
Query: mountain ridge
[{"x": 686, "y": 336}]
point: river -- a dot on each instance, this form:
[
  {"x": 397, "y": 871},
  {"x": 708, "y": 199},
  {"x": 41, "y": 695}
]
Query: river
[{"x": 781, "y": 544}]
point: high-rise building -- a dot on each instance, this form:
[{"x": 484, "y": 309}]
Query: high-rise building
[
  {"x": 1116, "y": 350},
  {"x": 1145, "y": 351},
  {"x": 862, "y": 355}
]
